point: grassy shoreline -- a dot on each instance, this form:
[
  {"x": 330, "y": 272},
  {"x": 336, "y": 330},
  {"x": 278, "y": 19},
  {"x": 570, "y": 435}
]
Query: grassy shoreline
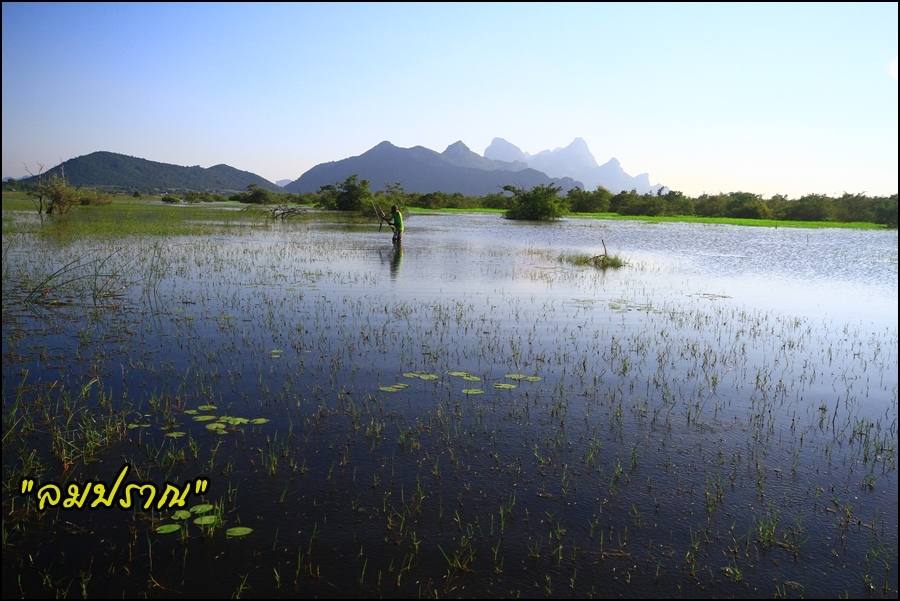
[
  {"x": 149, "y": 215},
  {"x": 860, "y": 225}
]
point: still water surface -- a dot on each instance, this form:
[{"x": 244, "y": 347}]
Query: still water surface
[{"x": 726, "y": 380}]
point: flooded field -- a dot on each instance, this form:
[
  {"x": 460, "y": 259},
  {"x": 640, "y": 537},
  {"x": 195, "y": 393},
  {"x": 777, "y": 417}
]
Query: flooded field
[{"x": 469, "y": 416}]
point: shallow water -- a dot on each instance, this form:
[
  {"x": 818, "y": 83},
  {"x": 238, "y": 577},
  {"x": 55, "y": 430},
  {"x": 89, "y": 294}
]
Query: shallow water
[{"x": 727, "y": 378}]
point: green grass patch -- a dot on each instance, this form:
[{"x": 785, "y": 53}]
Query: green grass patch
[
  {"x": 128, "y": 216},
  {"x": 859, "y": 225},
  {"x": 448, "y": 211}
]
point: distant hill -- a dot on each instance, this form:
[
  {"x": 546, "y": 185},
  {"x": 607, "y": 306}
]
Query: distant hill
[
  {"x": 460, "y": 155},
  {"x": 283, "y": 182},
  {"x": 422, "y": 170},
  {"x": 576, "y": 161},
  {"x": 119, "y": 171}
]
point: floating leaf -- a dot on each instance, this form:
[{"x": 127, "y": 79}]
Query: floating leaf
[
  {"x": 215, "y": 426},
  {"x": 181, "y": 514},
  {"x": 176, "y": 434},
  {"x": 471, "y": 378},
  {"x": 207, "y": 407},
  {"x": 234, "y": 421},
  {"x": 202, "y": 508},
  {"x": 525, "y": 377},
  {"x": 472, "y": 391},
  {"x": 168, "y": 529},
  {"x": 204, "y": 418},
  {"x": 238, "y": 531},
  {"x": 504, "y": 386},
  {"x": 394, "y": 387},
  {"x": 275, "y": 353},
  {"x": 191, "y": 411},
  {"x": 458, "y": 374},
  {"x": 422, "y": 375},
  {"x": 258, "y": 421},
  {"x": 207, "y": 520}
]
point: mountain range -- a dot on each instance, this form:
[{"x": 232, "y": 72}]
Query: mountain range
[
  {"x": 419, "y": 169},
  {"x": 576, "y": 161},
  {"x": 113, "y": 170}
]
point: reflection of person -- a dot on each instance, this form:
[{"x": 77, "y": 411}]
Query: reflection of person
[
  {"x": 396, "y": 259},
  {"x": 396, "y": 223}
]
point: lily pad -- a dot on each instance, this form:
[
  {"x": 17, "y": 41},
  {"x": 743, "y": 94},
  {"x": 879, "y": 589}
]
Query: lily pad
[
  {"x": 176, "y": 434},
  {"x": 422, "y": 375},
  {"x": 238, "y": 531},
  {"x": 190, "y": 411},
  {"x": 202, "y": 508},
  {"x": 204, "y": 418},
  {"x": 472, "y": 391},
  {"x": 526, "y": 377},
  {"x": 181, "y": 514},
  {"x": 258, "y": 421},
  {"x": 207, "y": 407},
  {"x": 234, "y": 421},
  {"x": 504, "y": 386},
  {"x": 471, "y": 378},
  {"x": 207, "y": 520},
  {"x": 168, "y": 528},
  {"x": 393, "y": 387},
  {"x": 215, "y": 426},
  {"x": 458, "y": 374},
  {"x": 135, "y": 426}
]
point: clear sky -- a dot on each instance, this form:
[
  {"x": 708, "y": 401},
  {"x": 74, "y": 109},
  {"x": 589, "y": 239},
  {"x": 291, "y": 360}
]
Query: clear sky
[{"x": 766, "y": 98}]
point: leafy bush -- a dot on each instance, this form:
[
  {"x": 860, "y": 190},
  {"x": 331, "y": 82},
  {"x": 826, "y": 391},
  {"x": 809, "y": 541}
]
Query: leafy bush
[
  {"x": 90, "y": 196},
  {"x": 541, "y": 203},
  {"x": 59, "y": 196},
  {"x": 747, "y": 205},
  {"x": 581, "y": 201}
]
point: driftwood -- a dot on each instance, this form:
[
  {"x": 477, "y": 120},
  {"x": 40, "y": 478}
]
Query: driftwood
[
  {"x": 284, "y": 211},
  {"x": 601, "y": 259}
]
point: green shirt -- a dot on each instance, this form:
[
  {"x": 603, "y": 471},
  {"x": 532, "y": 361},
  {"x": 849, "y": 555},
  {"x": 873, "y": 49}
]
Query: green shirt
[{"x": 398, "y": 221}]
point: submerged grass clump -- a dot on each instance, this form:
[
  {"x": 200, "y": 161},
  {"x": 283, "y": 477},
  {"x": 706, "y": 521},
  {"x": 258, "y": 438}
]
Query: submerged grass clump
[{"x": 599, "y": 261}]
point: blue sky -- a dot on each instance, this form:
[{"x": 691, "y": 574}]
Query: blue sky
[{"x": 767, "y": 98}]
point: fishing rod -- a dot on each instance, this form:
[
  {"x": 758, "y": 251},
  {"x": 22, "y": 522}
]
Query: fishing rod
[{"x": 380, "y": 215}]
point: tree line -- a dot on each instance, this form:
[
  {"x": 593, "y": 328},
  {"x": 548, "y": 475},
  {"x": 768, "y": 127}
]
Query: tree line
[
  {"x": 546, "y": 202},
  {"x": 541, "y": 202}
]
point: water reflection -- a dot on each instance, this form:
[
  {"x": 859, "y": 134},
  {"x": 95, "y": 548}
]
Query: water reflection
[{"x": 396, "y": 259}]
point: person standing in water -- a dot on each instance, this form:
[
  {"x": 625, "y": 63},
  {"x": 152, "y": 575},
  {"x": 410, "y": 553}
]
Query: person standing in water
[{"x": 396, "y": 223}]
